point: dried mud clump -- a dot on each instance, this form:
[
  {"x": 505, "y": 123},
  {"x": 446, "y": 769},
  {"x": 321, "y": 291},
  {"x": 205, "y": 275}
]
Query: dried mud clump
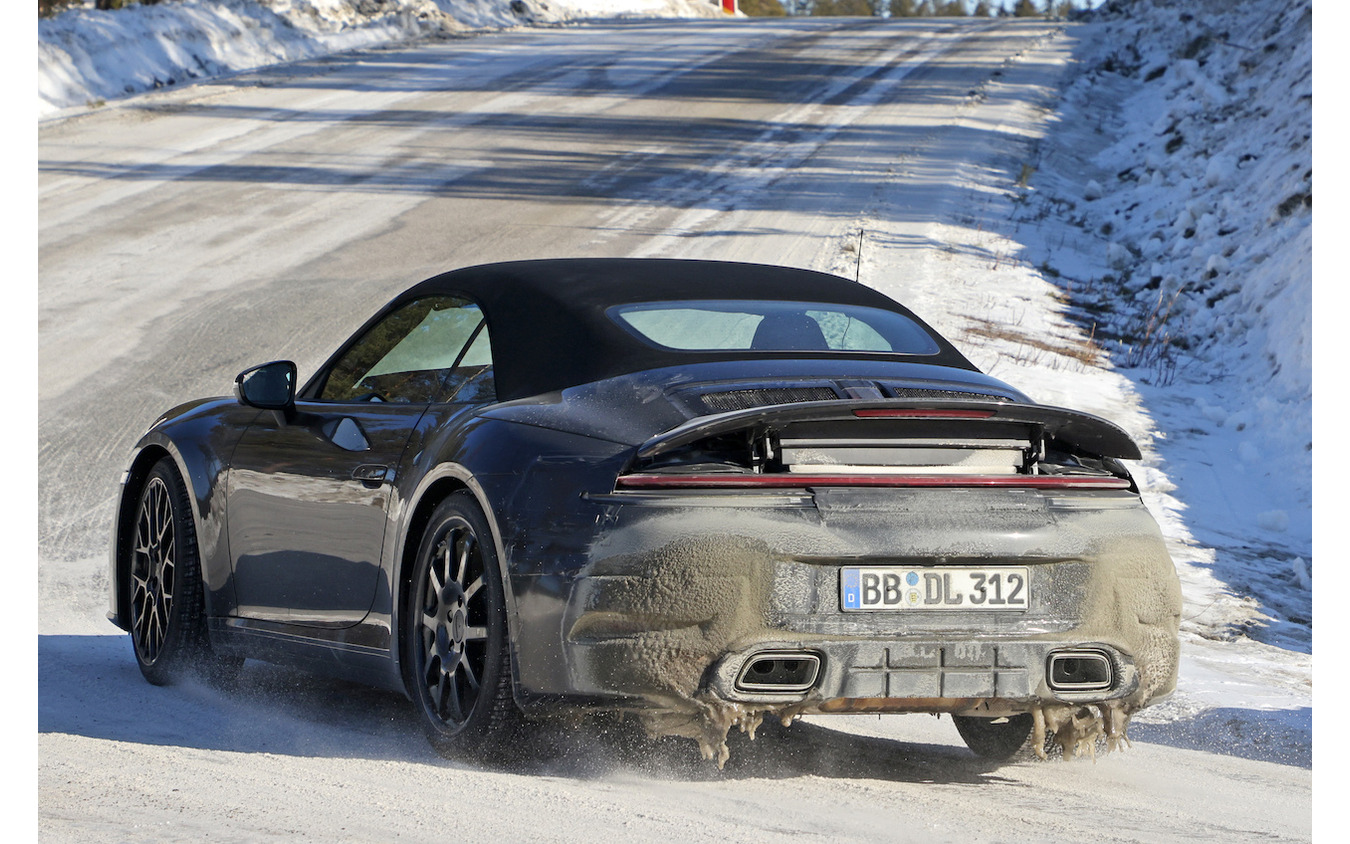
[
  {"x": 656, "y": 620},
  {"x": 711, "y": 719},
  {"x": 662, "y": 617},
  {"x": 1079, "y": 728},
  {"x": 708, "y": 722}
]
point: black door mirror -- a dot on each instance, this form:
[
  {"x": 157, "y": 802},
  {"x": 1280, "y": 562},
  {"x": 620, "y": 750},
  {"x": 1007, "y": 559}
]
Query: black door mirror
[{"x": 270, "y": 386}]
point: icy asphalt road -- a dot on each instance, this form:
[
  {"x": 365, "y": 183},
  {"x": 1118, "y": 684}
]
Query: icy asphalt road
[{"x": 187, "y": 235}]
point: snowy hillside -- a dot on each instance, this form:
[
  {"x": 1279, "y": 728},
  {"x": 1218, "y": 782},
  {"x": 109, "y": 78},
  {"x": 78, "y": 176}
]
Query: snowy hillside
[
  {"x": 1179, "y": 191},
  {"x": 87, "y": 56},
  {"x": 1171, "y": 206}
]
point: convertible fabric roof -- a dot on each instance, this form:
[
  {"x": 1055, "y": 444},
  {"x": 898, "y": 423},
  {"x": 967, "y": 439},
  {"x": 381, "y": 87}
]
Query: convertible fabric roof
[{"x": 549, "y": 330}]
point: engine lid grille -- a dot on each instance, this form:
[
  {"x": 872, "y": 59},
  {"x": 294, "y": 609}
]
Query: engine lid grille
[{"x": 762, "y": 397}]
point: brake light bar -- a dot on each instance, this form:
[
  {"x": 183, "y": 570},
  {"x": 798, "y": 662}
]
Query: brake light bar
[
  {"x": 791, "y": 481},
  {"x": 921, "y": 413}
]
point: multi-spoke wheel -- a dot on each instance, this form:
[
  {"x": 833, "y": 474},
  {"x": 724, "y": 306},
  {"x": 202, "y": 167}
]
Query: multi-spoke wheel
[
  {"x": 164, "y": 585},
  {"x": 154, "y": 558},
  {"x": 455, "y": 632}
]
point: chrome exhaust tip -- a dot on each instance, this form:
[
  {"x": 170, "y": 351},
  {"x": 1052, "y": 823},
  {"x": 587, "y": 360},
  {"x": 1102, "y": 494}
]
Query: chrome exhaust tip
[
  {"x": 779, "y": 671},
  {"x": 1080, "y": 670}
]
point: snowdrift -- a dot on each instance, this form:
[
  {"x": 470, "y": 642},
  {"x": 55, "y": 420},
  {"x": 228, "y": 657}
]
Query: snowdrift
[{"x": 87, "y": 56}]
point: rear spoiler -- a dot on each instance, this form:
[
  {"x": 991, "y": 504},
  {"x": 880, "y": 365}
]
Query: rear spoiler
[{"x": 1083, "y": 431}]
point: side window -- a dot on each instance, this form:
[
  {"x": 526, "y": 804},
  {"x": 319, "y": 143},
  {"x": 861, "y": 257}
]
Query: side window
[
  {"x": 472, "y": 382},
  {"x": 411, "y": 356}
]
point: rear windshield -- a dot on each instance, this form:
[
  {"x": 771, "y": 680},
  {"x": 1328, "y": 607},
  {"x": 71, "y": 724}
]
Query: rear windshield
[{"x": 707, "y": 325}]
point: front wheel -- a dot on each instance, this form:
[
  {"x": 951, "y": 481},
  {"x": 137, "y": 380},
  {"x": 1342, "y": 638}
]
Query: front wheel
[
  {"x": 455, "y": 634},
  {"x": 164, "y": 586}
]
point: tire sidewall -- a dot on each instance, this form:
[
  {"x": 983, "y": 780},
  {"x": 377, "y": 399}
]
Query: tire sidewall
[
  {"x": 1011, "y": 741},
  {"x": 459, "y": 510},
  {"x": 183, "y": 631}
]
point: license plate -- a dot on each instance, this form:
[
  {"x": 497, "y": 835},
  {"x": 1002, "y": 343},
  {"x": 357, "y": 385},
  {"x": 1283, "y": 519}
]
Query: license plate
[{"x": 873, "y": 588}]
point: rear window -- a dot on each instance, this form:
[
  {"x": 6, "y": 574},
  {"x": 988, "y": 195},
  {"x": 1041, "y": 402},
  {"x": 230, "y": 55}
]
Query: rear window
[{"x": 773, "y": 327}]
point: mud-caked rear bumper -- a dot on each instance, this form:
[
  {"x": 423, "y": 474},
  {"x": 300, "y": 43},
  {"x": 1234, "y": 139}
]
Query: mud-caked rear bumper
[
  {"x": 907, "y": 676},
  {"x": 683, "y": 593}
]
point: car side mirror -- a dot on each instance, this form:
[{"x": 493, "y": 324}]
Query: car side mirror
[{"x": 270, "y": 386}]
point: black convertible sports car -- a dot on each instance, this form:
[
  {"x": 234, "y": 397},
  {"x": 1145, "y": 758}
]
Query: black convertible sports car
[{"x": 699, "y": 492}]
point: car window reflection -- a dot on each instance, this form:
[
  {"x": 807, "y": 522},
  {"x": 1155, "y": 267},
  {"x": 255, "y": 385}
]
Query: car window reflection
[{"x": 429, "y": 348}]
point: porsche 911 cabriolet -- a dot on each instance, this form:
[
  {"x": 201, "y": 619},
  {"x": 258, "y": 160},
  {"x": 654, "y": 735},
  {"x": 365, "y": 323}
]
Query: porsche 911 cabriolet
[{"x": 700, "y": 493}]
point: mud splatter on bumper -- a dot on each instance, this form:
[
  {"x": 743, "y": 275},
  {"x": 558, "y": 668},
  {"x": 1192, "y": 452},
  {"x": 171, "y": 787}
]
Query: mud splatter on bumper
[{"x": 681, "y": 592}]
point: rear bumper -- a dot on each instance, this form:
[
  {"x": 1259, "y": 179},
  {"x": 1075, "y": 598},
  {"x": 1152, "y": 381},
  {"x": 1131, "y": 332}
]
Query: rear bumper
[
  {"x": 683, "y": 591},
  {"x": 909, "y": 676}
]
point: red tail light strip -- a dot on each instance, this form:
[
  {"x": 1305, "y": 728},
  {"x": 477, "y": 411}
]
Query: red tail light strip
[{"x": 802, "y": 481}]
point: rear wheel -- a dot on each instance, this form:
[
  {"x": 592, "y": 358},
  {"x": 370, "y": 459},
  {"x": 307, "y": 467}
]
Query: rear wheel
[
  {"x": 455, "y": 634},
  {"x": 164, "y": 585},
  {"x": 1000, "y": 739}
]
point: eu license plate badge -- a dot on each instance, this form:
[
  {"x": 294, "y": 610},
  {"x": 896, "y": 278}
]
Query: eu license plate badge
[{"x": 881, "y": 589}]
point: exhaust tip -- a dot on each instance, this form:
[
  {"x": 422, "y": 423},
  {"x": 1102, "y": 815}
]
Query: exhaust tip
[
  {"x": 1080, "y": 670},
  {"x": 779, "y": 672}
]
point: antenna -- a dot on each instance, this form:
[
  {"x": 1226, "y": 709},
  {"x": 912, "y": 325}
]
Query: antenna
[{"x": 857, "y": 272}]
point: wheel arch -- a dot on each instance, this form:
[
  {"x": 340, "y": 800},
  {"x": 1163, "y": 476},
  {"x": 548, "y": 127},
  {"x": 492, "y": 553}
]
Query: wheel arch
[
  {"x": 446, "y": 480},
  {"x": 198, "y": 481},
  {"x": 133, "y": 480},
  {"x": 198, "y": 438}
]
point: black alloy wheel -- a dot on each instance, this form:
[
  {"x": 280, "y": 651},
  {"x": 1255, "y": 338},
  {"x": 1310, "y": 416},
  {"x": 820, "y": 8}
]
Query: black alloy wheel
[
  {"x": 164, "y": 585},
  {"x": 455, "y": 633}
]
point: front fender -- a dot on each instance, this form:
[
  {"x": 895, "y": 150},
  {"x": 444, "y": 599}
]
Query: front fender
[{"x": 199, "y": 438}]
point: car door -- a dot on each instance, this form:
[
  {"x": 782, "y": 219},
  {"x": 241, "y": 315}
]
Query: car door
[{"x": 309, "y": 490}]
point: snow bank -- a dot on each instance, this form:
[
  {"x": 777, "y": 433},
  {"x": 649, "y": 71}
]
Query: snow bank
[
  {"x": 86, "y": 56},
  {"x": 1180, "y": 177},
  {"x": 1213, "y": 201}
]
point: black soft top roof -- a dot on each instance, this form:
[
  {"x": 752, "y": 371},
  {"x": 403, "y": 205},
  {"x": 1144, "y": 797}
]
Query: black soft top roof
[{"x": 549, "y": 330}]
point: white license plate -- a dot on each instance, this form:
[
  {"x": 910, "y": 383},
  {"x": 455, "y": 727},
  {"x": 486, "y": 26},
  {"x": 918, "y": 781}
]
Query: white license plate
[{"x": 875, "y": 588}]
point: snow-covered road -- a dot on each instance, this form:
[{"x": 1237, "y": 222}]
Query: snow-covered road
[{"x": 188, "y": 234}]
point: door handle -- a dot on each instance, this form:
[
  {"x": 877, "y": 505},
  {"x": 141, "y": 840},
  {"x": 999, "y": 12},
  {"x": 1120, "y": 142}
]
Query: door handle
[{"x": 371, "y": 474}]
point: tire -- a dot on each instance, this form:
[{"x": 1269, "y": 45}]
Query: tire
[
  {"x": 455, "y": 635},
  {"x": 999, "y": 739},
  {"x": 164, "y": 586}
]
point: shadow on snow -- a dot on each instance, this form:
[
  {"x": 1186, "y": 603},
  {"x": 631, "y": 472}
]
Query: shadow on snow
[{"x": 90, "y": 686}]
